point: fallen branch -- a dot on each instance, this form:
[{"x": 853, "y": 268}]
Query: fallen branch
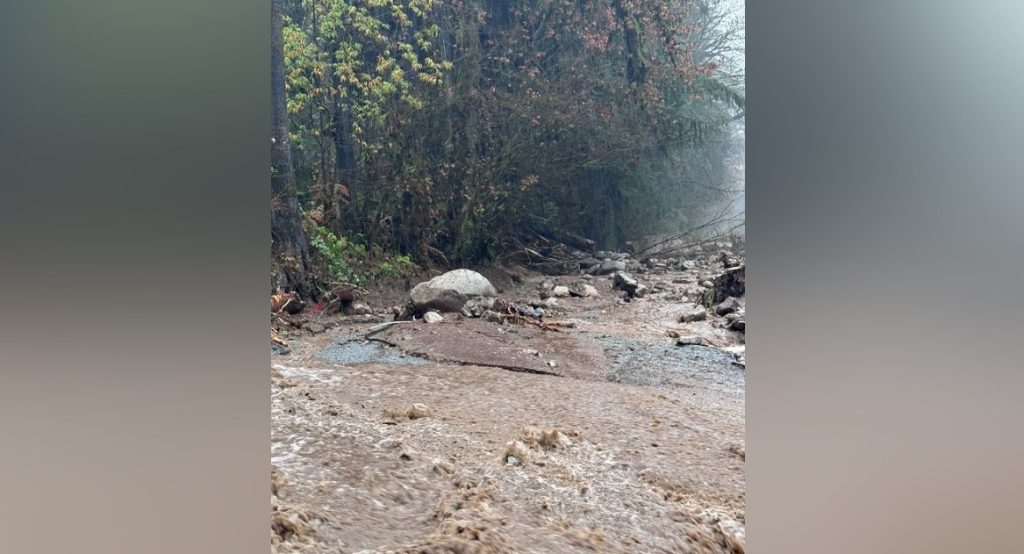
[{"x": 378, "y": 328}]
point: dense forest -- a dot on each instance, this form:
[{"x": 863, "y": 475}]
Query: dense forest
[{"x": 444, "y": 132}]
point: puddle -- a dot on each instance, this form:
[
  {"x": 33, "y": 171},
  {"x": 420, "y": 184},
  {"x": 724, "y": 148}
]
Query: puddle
[{"x": 349, "y": 350}]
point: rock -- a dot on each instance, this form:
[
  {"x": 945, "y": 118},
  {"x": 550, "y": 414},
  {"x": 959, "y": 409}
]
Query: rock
[
  {"x": 688, "y": 264},
  {"x": 475, "y": 307},
  {"x": 546, "y": 285},
  {"x": 404, "y": 312},
  {"x": 493, "y": 317},
  {"x": 589, "y": 262},
  {"x": 624, "y": 281},
  {"x": 588, "y": 277},
  {"x": 527, "y": 311},
  {"x": 730, "y": 283},
  {"x": 728, "y": 306},
  {"x": 561, "y": 291},
  {"x": 610, "y": 266},
  {"x": 582, "y": 290},
  {"x": 417, "y": 411},
  {"x": 433, "y": 317},
  {"x": 707, "y": 284},
  {"x": 552, "y": 363},
  {"x": 389, "y": 442},
  {"x": 550, "y": 302},
  {"x": 698, "y": 313},
  {"x": 739, "y": 325},
  {"x": 692, "y": 340},
  {"x": 360, "y": 308},
  {"x": 450, "y": 291},
  {"x": 672, "y": 334}
]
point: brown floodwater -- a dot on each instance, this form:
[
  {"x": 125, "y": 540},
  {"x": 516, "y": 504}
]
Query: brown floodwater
[{"x": 601, "y": 437}]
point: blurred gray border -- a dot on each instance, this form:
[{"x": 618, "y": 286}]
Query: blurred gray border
[{"x": 884, "y": 246}]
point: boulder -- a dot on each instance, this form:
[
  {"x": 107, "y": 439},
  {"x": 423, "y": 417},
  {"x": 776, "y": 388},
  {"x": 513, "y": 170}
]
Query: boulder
[
  {"x": 730, "y": 283},
  {"x": 450, "y": 292},
  {"x": 626, "y": 282},
  {"x": 698, "y": 313},
  {"x": 609, "y": 266},
  {"x": 728, "y": 306}
]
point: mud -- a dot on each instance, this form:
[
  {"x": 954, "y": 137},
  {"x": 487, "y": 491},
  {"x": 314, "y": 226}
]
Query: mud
[{"x": 627, "y": 443}]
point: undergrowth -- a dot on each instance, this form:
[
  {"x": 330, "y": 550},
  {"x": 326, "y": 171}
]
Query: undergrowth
[{"x": 348, "y": 259}]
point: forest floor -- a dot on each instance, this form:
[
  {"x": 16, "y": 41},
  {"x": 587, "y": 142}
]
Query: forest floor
[{"x": 470, "y": 436}]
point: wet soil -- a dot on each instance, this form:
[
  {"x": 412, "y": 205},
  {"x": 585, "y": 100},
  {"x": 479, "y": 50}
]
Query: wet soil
[{"x": 470, "y": 436}]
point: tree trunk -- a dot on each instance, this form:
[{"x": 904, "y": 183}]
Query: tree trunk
[
  {"x": 344, "y": 152},
  {"x": 636, "y": 67},
  {"x": 289, "y": 247}
]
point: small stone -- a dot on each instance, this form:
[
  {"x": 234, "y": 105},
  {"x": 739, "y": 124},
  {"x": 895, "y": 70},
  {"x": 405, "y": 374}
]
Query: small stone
[
  {"x": 561, "y": 291},
  {"x": 433, "y": 317},
  {"x": 582, "y": 290},
  {"x": 672, "y": 334},
  {"x": 707, "y": 284},
  {"x": 692, "y": 340},
  {"x": 389, "y": 442},
  {"x": 739, "y": 325},
  {"x": 552, "y": 363}
]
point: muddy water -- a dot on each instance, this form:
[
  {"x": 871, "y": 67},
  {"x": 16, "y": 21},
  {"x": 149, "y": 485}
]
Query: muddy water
[{"x": 636, "y": 445}]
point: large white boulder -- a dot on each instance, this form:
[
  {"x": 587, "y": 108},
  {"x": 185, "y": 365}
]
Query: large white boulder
[{"x": 449, "y": 292}]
